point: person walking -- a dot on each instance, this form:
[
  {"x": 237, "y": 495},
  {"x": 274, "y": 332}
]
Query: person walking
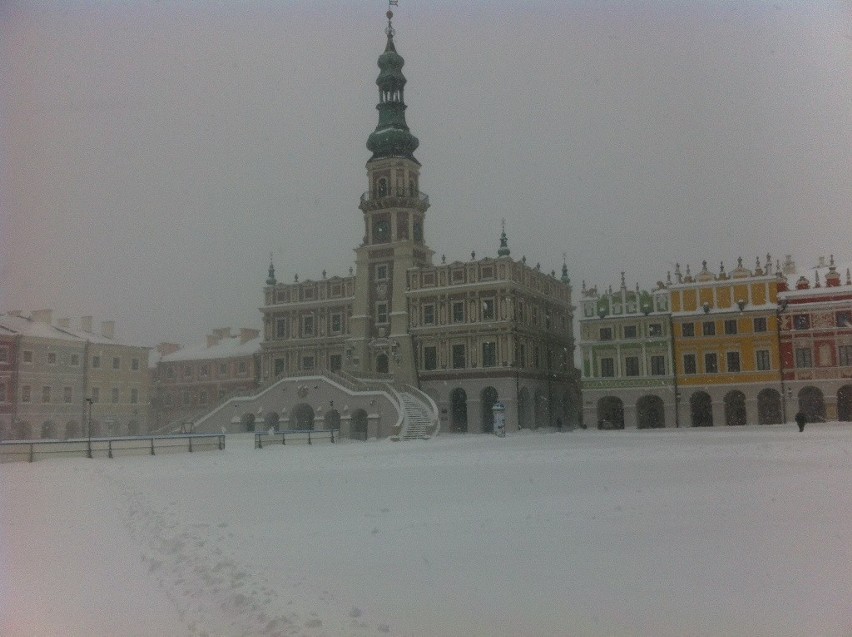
[{"x": 801, "y": 419}]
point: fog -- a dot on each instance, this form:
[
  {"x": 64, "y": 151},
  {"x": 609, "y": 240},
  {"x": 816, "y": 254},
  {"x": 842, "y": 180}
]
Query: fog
[{"x": 154, "y": 154}]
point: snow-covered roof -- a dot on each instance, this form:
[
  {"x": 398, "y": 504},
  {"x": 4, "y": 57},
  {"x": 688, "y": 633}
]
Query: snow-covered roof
[
  {"x": 227, "y": 347},
  {"x": 27, "y": 327}
]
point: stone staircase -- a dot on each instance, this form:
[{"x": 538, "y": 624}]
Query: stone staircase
[{"x": 420, "y": 418}]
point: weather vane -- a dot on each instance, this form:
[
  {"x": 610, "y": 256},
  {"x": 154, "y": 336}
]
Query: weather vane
[{"x": 390, "y": 30}]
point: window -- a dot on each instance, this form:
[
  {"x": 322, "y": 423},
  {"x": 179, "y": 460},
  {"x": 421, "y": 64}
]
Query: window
[
  {"x": 606, "y": 333},
  {"x": 170, "y": 372},
  {"x": 631, "y": 366},
  {"x": 187, "y": 371},
  {"x": 336, "y": 323},
  {"x": 382, "y": 313},
  {"x": 96, "y": 394},
  {"x": 658, "y": 365},
  {"x": 655, "y": 329},
  {"x": 607, "y": 367},
  {"x": 458, "y": 311},
  {"x": 185, "y": 398},
  {"x": 203, "y": 371},
  {"x": 430, "y": 357},
  {"x": 281, "y": 327},
  {"x": 762, "y": 360},
  {"x": 844, "y": 355},
  {"x": 489, "y": 354},
  {"x": 801, "y": 322},
  {"x": 51, "y": 358},
  {"x": 96, "y": 362},
  {"x": 730, "y": 326},
  {"x": 711, "y": 363},
  {"x": 804, "y": 357},
  {"x": 429, "y": 314},
  {"x": 708, "y": 328},
  {"x": 134, "y": 396},
  {"x": 116, "y": 363},
  {"x": 760, "y": 324},
  {"x": 733, "y": 361},
  {"x": 335, "y": 362},
  {"x": 68, "y": 395},
  {"x": 45, "y": 394},
  {"x": 843, "y": 319},
  {"x": 26, "y": 394},
  {"x": 689, "y": 364},
  {"x": 4, "y": 354},
  {"x": 280, "y": 366},
  {"x": 687, "y": 329},
  {"x": 242, "y": 368},
  {"x": 134, "y": 364},
  {"x": 487, "y": 309},
  {"x": 202, "y": 397},
  {"x": 27, "y": 356},
  {"x": 382, "y": 272},
  {"x": 307, "y": 362},
  {"x": 308, "y": 325},
  {"x": 223, "y": 369},
  {"x": 630, "y": 331},
  {"x": 2, "y": 392},
  {"x": 458, "y": 356},
  {"x": 114, "y": 395}
]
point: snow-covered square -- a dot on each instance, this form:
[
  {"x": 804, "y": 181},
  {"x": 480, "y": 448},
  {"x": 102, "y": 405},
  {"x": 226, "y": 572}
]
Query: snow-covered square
[{"x": 717, "y": 531}]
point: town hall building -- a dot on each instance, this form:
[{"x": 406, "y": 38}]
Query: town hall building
[{"x": 443, "y": 340}]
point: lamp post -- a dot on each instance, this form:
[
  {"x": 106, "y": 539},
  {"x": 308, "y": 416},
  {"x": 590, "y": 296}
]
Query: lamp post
[{"x": 89, "y": 428}]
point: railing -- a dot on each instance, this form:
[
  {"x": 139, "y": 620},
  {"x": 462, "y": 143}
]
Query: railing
[
  {"x": 31, "y": 450},
  {"x": 398, "y": 193},
  {"x": 301, "y": 434}
]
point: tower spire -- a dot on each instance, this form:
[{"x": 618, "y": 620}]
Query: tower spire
[
  {"x": 391, "y": 137},
  {"x": 503, "y": 250}
]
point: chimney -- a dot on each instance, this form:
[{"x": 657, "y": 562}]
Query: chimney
[
  {"x": 86, "y": 324},
  {"x": 164, "y": 349},
  {"x": 108, "y": 329},
  {"x": 64, "y": 323},
  {"x": 213, "y": 339},
  {"x": 247, "y": 334},
  {"x": 222, "y": 332},
  {"x": 43, "y": 316}
]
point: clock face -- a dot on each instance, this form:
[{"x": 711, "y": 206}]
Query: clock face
[{"x": 382, "y": 230}]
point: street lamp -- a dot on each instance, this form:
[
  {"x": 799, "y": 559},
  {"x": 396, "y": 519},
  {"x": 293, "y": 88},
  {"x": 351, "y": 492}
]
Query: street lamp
[{"x": 89, "y": 427}]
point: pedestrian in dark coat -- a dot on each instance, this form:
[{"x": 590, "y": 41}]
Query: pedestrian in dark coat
[{"x": 801, "y": 419}]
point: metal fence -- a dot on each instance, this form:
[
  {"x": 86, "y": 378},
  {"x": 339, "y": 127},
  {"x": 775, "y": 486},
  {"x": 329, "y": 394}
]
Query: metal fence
[
  {"x": 275, "y": 437},
  {"x": 32, "y": 450}
]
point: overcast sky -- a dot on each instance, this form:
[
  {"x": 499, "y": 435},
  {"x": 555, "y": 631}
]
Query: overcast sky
[{"x": 154, "y": 153}]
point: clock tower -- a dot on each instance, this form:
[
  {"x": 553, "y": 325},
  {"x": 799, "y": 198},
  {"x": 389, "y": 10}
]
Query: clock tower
[{"x": 393, "y": 209}]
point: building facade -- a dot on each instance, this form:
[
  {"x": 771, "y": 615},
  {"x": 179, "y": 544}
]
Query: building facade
[
  {"x": 726, "y": 343},
  {"x": 726, "y": 348},
  {"x": 468, "y": 333},
  {"x": 63, "y": 382},
  {"x": 626, "y": 344},
  {"x": 816, "y": 344},
  {"x": 191, "y": 381}
]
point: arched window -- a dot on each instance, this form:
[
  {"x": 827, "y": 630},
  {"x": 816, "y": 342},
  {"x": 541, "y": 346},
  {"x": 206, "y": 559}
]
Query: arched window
[
  {"x": 383, "y": 187},
  {"x": 458, "y": 410},
  {"x": 701, "y": 409}
]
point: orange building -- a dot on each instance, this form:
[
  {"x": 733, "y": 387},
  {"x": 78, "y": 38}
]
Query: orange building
[{"x": 726, "y": 346}]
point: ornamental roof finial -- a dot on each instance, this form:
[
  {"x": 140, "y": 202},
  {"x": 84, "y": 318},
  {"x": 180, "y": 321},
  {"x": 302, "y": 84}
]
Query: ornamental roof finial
[
  {"x": 503, "y": 250},
  {"x": 271, "y": 279}
]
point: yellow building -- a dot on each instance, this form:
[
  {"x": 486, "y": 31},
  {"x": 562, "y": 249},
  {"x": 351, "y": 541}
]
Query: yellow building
[{"x": 725, "y": 336}]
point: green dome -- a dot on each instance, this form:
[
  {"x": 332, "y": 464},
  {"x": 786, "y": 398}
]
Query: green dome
[{"x": 391, "y": 137}]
